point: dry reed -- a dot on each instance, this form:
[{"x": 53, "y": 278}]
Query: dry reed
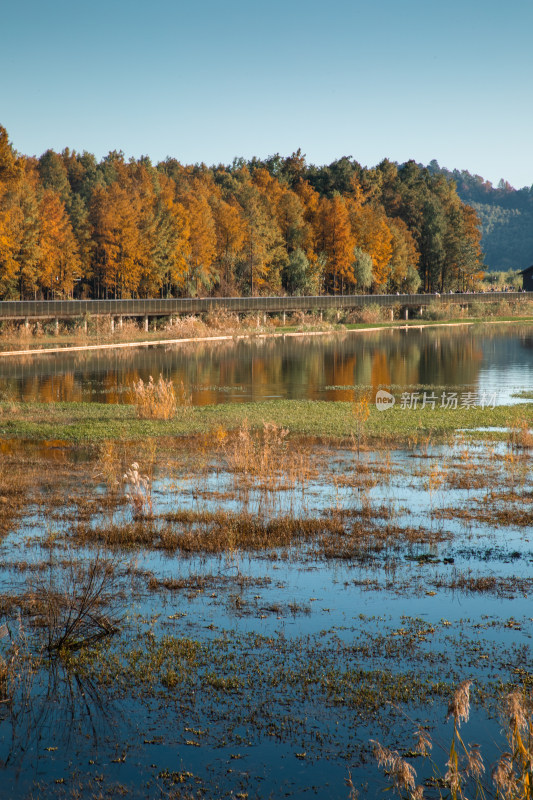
[
  {"x": 512, "y": 776},
  {"x": 159, "y": 400},
  {"x": 521, "y": 435},
  {"x": 139, "y": 492}
]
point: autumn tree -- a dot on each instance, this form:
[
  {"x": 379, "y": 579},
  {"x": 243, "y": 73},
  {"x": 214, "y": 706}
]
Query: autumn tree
[
  {"x": 230, "y": 228},
  {"x": 10, "y": 233},
  {"x": 297, "y": 277},
  {"x": 11, "y": 217},
  {"x": 201, "y": 273},
  {"x": 372, "y": 234},
  {"x": 28, "y": 240},
  {"x": 463, "y": 261},
  {"x": 82, "y": 230},
  {"x": 337, "y": 242},
  {"x": 117, "y": 262},
  {"x": 263, "y": 255},
  {"x": 404, "y": 258},
  {"x": 59, "y": 260},
  {"x": 166, "y": 266}
]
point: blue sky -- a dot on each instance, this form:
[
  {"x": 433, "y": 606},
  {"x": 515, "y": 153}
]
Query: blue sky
[{"x": 210, "y": 80}]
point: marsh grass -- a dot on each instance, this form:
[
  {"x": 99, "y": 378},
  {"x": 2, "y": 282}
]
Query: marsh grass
[
  {"x": 108, "y": 465},
  {"x": 521, "y": 435},
  {"x": 198, "y": 582},
  {"x": 138, "y": 492},
  {"x": 206, "y": 532},
  {"x": 94, "y": 422},
  {"x": 486, "y": 584},
  {"x": 503, "y": 517},
  {"x": 159, "y": 400},
  {"x": 370, "y": 314},
  {"x": 259, "y": 453},
  {"x": 511, "y": 778},
  {"x": 361, "y": 413},
  {"x": 17, "y": 481}
]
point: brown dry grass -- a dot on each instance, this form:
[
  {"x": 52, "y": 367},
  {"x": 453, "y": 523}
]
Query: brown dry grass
[
  {"x": 159, "y": 400},
  {"x": 511, "y": 778},
  {"x": 521, "y": 435},
  {"x": 17, "y": 480},
  {"x": 209, "y": 532}
]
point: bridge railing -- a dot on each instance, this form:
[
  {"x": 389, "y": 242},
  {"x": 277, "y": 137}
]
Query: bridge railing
[{"x": 62, "y": 309}]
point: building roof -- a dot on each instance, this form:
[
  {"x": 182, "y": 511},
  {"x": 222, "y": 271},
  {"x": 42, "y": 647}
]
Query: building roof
[{"x": 527, "y": 269}]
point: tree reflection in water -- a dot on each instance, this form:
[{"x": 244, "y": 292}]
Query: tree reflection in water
[{"x": 256, "y": 369}]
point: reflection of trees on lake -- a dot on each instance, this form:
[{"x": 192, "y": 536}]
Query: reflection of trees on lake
[{"x": 298, "y": 367}]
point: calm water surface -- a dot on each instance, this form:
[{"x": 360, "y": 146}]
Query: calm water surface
[{"x": 493, "y": 359}]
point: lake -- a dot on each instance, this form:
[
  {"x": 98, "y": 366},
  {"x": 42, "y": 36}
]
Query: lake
[{"x": 493, "y": 358}]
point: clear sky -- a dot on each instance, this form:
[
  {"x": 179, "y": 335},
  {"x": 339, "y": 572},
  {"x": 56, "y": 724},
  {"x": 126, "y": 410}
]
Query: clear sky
[{"x": 213, "y": 79}]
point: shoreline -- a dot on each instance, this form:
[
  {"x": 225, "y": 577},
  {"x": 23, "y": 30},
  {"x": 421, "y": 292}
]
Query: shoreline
[{"x": 238, "y": 337}]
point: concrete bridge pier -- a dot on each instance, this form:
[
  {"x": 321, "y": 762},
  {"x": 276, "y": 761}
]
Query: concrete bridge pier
[
  {"x": 284, "y": 317},
  {"x": 27, "y": 323},
  {"x": 145, "y": 322},
  {"x": 392, "y": 315},
  {"x": 120, "y": 322},
  {"x": 56, "y": 326},
  {"x": 406, "y": 313},
  {"x": 112, "y": 324}
]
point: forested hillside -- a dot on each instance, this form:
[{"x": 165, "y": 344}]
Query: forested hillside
[
  {"x": 506, "y": 217},
  {"x": 73, "y": 226}
]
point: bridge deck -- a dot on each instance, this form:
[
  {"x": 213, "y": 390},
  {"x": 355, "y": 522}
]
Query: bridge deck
[{"x": 62, "y": 309}]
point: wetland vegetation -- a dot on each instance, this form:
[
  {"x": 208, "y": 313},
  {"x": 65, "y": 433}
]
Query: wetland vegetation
[{"x": 240, "y": 598}]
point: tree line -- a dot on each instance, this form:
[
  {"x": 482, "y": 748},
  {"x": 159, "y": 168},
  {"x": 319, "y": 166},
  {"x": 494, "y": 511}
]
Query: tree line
[
  {"x": 505, "y": 215},
  {"x": 71, "y": 226}
]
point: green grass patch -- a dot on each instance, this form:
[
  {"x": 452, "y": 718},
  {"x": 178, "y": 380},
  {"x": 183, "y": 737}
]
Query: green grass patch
[{"x": 94, "y": 422}]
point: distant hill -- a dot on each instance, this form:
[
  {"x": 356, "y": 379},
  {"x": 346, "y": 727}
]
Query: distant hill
[{"x": 506, "y": 216}]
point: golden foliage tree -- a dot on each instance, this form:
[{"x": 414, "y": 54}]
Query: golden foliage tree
[
  {"x": 230, "y": 229},
  {"x": 59, "y": 258},
  {"x": 337, "y": 242},
  {"x": 404, "y": 257},
  {"x": 115, "y": 214},
  {"x": 201, "y": 274},
  {"x": 372, "y": 234}
]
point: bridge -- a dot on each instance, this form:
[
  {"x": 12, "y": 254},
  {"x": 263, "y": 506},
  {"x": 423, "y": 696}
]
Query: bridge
[{"x": 26, "y": 310}]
